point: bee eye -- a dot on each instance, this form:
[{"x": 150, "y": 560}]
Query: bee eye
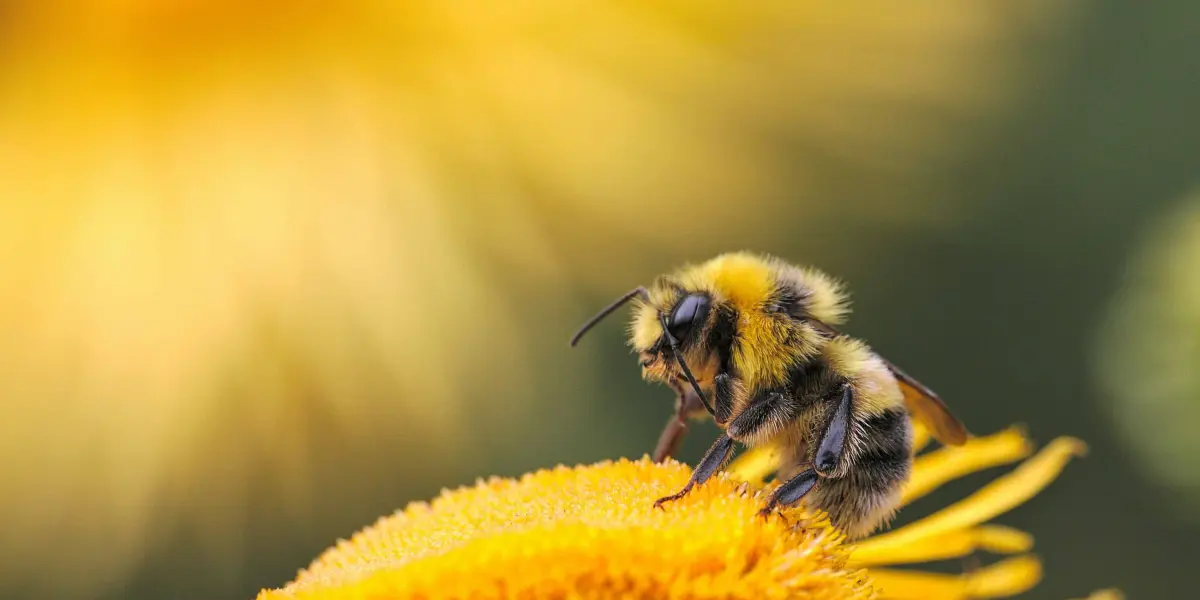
[{"x": 692, "y": 308}]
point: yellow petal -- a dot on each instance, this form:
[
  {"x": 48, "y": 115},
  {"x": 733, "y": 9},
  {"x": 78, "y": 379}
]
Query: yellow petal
[
  {"x": 921, "y": 437},
  {"x": 756, "y": 463},
  {"x": 945, "y": 464},
  {"x": 991, "y": 538},
  {"x": 1109, "y": 594},
  {"x": 1003, "y": 579},
  {"x": 993, "y": 499}
]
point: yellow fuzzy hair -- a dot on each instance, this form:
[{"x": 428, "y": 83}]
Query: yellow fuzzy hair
[
  {"x": 829, "y": 302},
  {"x": 875, "y": 386},
  {"x": 644, "y": 329},
  {"x": 747, "y": 281},
  {"x": 740, "y": 278}
]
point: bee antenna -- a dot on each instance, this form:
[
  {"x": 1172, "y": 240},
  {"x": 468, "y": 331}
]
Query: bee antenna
[
  {"x": 637, "y": 291},
  {"x": 686, "y": 371}
]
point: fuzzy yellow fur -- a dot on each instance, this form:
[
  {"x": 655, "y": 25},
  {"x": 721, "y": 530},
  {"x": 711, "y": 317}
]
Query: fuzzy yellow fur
[
  {"x": 747, "y": 281},
  {"x": 874, "y": 385},
  {"x": 829, "y": 302},
  {"x": 740, "y": 278},
  {"x": 645, "y": 328}
]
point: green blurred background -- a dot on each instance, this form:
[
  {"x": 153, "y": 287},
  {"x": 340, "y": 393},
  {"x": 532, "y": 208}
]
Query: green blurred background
[{"x": 273, "y": 269}]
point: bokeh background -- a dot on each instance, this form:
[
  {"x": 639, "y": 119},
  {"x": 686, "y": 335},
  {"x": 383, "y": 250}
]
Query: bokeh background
[{"x": 271, "y": 269}]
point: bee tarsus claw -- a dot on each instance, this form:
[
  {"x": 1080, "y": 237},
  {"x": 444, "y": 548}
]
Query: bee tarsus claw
[
  {"x": 673, "y": 497},
  {"x": 661, "y": 501}
]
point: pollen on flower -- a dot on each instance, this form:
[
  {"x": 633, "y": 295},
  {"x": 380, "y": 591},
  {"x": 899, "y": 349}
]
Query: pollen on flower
[
  {"x": 588, "y": 532},
  {"x": 591, "y": 532}
]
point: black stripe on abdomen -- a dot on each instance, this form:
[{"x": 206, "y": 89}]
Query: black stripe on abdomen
[{"x": 884, "y": 454}]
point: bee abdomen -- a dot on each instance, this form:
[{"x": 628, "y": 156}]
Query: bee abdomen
[{"x": 867, "y": 494}]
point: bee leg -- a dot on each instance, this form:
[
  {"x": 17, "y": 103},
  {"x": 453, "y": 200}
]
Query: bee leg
[
  {"x": 723, "y": 397},
  {"x": 767, "y": 408},
  {"x": 668, "y": 441},
  {"x": 833, "y": 441},
  {"x": 711, "y": 463},
  {"x": 828, "y": 457},
  {"x": 687, "y": 405},
  {"x": 791, "y": 492}
]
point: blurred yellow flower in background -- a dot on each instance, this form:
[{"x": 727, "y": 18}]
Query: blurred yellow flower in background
[
  {"x": 591, "y": 532},
  {"x": 1149, "y": 350},
  {"x": 237, "y": 236},
  {"x": 1106, "y": 594}
]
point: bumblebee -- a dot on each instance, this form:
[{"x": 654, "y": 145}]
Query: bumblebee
[{"x": 759, "y": 337}]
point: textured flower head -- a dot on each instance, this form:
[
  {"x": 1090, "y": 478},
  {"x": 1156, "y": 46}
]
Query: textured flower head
[{"x": 590, "y": 532}]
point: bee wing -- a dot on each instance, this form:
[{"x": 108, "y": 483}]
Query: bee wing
[
  {"x": 925, "y": 406},
  {"x": 922, "y": 403}
]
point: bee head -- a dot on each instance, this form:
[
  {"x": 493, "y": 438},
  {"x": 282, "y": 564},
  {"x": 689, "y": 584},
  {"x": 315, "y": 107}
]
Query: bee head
[
  {"x": 675, "y": 327},
  {"x": 669, "y": 331},
  {"x": 669, "y": 322}
]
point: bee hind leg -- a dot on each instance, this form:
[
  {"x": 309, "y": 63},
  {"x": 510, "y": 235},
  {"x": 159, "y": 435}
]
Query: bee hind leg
[
  {"x": 833, "y": 441},
  {"x": 791, "y": 492},
  {"x": 828, "y": 457},
  {"x": 713, "y": 460}
]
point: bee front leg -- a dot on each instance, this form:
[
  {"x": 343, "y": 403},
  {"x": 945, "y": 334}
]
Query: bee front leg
[
  {"x": 768, "y": 410},
  {"x": 687, "y": 406},
  {"x": 712, "y": 462},
  {"x": 723, "y": 397},
  {"x": 826, "y": 461},
  {"x": 669, "y": 440}
]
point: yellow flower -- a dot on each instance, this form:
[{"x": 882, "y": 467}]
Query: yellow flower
[
  {"x": 230, "y": 219},
  {"x": 1150, "y": 335},
  {"x": 590, "y": 532},
  {"x": 1109, "y": 594}
]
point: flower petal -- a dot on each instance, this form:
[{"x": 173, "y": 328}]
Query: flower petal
[
  {"x": 1003, "y": 579},
  {"x": 921, "y": 436},
  {"x": 999, "y": 496},
  {"x": 1108, "y": 594},
  {"x": 992, "y": 538},
  {"x": 945, "y": 464}
]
